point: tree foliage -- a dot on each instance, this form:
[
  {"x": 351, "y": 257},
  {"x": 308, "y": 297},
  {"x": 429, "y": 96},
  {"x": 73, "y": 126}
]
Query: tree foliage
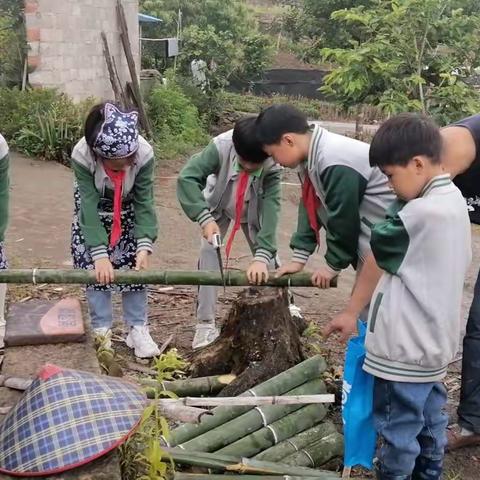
[
  {"x": 222, "y": 33},
  {"x": 309, "y": 25},
  {"x": 413, "y": 55},
  {"x": 12, "y": 42}
]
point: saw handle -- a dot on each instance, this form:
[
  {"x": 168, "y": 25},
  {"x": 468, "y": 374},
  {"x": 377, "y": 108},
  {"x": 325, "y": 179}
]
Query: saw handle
[{"x": 216, "y": 240}]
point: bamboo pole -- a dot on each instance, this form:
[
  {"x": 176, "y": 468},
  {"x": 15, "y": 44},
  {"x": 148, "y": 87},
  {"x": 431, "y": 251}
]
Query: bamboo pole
[
  {"x": 276, "y": 432},
  {"x": 235, "y": 464},
  {"x": 233, "y": 278},
  {"x": 296, "y": 443},
  {"x": 249, "y": 422},
  {"x": 188, "y": 387},
  {"x": 281, "y": 383}
]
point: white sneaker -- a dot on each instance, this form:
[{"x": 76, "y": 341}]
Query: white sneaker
[
  {"x": 205, "y": 334},
  {"x": 103, "y": 337},
  {"x": 140, "y": 339}
]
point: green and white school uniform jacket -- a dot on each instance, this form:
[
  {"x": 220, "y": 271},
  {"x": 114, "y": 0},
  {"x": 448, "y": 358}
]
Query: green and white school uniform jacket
[
  {"x": 206, "y": 192},
  {"x": 4, "y": 187},
  {"x": 424, "y": 247},
  {"x": 353, "y": 197},
  {"x": 94, "y": 184}
]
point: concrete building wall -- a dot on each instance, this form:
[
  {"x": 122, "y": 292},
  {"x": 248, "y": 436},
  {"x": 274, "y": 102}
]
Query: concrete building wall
[{"x": 65, "y": 48}]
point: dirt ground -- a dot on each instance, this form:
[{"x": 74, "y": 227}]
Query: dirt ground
[{"x": 39, "y": 236}]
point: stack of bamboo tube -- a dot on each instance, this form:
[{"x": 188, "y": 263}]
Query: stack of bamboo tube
[{"x": 288, "y": 436}]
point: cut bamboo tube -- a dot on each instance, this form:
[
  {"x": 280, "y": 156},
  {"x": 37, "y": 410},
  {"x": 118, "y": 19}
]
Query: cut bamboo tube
[
  {"x": 188, "y": 387},
  {"x": 235, "y": 464},
  {"x": 296, "y": 443},
  {"x": 247, "y": 423},
  {"x": 276, "y": 432},
  {"x": 317, "y": 453},
  {"x": 281, "y": 383},
  {"x": 153, "y": 277},
  {"x": 247, "y": 401}
]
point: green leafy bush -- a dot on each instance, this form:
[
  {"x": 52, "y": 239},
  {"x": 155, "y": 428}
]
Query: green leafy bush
[
  {"x": 42, "y": 122},
  {"x": 177, "y": 127}
]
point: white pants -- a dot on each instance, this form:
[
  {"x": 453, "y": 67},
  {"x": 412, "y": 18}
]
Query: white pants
[{"x": 208, "y": 260}]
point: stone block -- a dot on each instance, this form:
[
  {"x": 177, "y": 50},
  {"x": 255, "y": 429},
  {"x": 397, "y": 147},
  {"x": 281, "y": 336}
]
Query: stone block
[{"x": 32, "y": 20}]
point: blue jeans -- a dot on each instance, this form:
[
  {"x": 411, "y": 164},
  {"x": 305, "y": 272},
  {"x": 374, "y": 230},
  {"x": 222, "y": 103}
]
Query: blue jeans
[
  {"x": 411, "y": 424},
  {"x": 101, "y": 311},
  {"x": 469, "y": 407}
]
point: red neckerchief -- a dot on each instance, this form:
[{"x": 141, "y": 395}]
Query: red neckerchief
[
  {"x": 117, "y": 179},
  {"x": 239, "y": 199},
  {"x": 312, "y": 204}
]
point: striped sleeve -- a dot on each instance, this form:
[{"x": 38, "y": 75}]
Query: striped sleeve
[{"x": 193, "y": 179}]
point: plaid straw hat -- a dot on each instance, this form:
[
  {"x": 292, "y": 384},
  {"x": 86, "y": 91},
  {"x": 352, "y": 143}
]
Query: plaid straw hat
[{"x": 67, "y": 418}]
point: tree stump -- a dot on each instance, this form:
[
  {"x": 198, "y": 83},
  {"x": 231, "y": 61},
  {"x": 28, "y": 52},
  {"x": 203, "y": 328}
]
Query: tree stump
[{"x": 259, "y": 339}]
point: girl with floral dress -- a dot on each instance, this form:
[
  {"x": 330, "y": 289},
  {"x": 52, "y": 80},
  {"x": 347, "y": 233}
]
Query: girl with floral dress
[{"x": 114, "y": 224}]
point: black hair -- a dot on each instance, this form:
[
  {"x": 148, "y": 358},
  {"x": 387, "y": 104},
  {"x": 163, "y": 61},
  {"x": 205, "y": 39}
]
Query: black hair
[
  {"x": 93, "y": 123},
  {"x": 245, "y": 141},
  {"x": 277, "y": 120},
  {"x": 403, "y": 137}
]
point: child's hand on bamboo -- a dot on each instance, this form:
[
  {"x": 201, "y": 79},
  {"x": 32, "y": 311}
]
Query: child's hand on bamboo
[
  {"x": 323, "y": 276},
  {"x": 257, "y": 273},
  {"x": 292, "y": 267},
  {"x": 104, "y": 271},
  {"x": 142, "y": 260},
  {"x": 209, "y": 230}
]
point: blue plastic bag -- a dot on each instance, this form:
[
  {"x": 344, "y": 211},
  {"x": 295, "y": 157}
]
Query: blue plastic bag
[{"x": 357, "y": 405}]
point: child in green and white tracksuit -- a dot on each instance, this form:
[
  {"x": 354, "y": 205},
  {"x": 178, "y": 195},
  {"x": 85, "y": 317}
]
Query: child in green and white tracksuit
[
  {"x": 341, "y": 192},
  {"x": 114, "y": 224},
  {"x": 4, "y": 202},
  {"x": 208, "y": 191}
]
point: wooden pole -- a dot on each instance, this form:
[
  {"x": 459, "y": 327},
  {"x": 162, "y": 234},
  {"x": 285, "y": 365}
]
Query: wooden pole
[
  {"x": 111, "y": 69},
  {"x": 131, "y": 66},
  {"x": 125, "y": 101},
  {"x": 249, "y": 401},
  {"x": 233, "y": 278},
  {"x": 180, "y": 413}
]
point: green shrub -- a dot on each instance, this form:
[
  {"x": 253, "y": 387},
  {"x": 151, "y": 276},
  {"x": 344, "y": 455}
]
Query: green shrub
[
  {"x": 42, "y": 122},
  {"x": 177, "y": 127}
]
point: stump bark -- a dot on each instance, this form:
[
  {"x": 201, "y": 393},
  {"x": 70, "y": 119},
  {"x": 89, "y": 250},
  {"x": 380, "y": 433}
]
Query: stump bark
[{"x": 259, "y": 339}]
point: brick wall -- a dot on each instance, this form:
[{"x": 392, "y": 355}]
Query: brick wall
[{"x": 65, "y": 48}]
